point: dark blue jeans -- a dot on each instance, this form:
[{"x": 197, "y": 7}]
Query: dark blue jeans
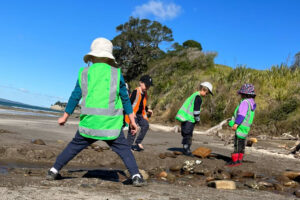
[
  {"x": 79, "y": 143},
  {"x": 143, "y": 123}
]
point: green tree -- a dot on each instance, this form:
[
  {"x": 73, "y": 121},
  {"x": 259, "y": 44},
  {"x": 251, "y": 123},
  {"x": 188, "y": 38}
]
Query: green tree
[
  {"x": 138, "y": 43},
  {"x": 193, "y": 44},
  {"x": 177, "y": 47}
]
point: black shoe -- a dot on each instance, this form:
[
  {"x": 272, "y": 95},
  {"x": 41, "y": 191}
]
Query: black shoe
[
  {"x": 52, "y": 176},
  {"x": 136, "y": 148},
  {"x": 138, "y": 181}
]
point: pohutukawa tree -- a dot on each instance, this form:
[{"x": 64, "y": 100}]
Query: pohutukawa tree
[{"x": 138, "y": 43}]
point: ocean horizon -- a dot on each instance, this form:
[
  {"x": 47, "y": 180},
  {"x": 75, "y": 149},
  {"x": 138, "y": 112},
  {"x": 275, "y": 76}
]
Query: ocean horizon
[{"x": 26, "y": 109}]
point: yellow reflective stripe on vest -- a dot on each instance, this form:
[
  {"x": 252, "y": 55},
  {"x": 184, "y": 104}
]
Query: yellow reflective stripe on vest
[{"x": 111, "y": 111}]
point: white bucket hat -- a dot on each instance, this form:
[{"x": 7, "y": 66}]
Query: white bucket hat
[
  {"x": 101, "y": 48},
  {"x": 209, "y": 86}
]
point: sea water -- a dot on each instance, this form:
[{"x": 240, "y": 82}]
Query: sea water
[{"x": 25, "y": 109}]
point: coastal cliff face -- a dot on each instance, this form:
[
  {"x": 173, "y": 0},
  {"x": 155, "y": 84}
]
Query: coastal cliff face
[
  {"x": 57, "y": 107},
  {"x": 62, "y": 106}
]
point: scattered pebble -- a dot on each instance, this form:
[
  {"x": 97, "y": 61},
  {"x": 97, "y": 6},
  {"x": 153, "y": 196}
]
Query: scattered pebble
[
  {"x": 177, "y": 153},
  {"x": 170, "y": 155},
  {"x": 291, "y": 174},
  {"x": 163, "y": 174},
  {"x": 162, "y": 156},
  {"x": 175, "y": 168},
  {"x": 38, "y": 141},
  {"x": 221, "y": 184}
]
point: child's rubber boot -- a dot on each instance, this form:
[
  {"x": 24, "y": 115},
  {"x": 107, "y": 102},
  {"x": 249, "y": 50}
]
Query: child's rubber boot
[
  {"x": 186, "y": 150},
  {"x": 234, "y": 160},
  {"x": 240, "y": 159}
]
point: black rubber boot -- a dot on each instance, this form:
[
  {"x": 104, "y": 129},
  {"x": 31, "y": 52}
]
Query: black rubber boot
[{"x": 186, "y": 150}]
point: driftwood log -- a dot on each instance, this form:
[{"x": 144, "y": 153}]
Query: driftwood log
[
  {"x": 286, "y": 136},
  {"x": 213, "y": 130}
]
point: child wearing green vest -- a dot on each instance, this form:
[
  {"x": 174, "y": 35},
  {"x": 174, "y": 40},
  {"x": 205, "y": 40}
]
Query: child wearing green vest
[
  {"x": 189, "y": 115},
  {"x": 102, "y": 89},
  {"x": 241, "y": 121}
]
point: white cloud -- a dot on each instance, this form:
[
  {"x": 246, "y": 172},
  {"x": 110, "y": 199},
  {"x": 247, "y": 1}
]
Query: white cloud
[{"x": 159, "y": 9}]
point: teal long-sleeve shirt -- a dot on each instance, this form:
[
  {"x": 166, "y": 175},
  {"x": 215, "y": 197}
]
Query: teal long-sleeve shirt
[{"x": 77, "y": 94}]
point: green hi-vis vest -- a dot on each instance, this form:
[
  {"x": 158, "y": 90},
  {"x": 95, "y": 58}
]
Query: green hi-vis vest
[
  {"x": 244, "y": 128},
  {"x": 101, "y": 107},
  {"x": 186, "y": 112}
]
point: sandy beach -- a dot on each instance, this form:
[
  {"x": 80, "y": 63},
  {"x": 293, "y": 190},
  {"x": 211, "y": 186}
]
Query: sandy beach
[{"x": 98, "y": 173}]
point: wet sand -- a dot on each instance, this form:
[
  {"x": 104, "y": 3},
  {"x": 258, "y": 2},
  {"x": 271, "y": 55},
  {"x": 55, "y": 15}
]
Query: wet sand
[{"x": 99, "y": 174}]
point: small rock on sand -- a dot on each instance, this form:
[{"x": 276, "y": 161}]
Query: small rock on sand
[
  {"x": 291, "y": 174},
  {"x": 162, "y": 156},
  {"x": 163, "y": 174},
  {"x": 177, "y": 153},
  {"x": 38, "y": 141},
  {"x": 228, "y": 185},
  {"x": 202, "y": 152},
  {"x": 170, "y": 155},
  {"x": 175, "y": 168}
]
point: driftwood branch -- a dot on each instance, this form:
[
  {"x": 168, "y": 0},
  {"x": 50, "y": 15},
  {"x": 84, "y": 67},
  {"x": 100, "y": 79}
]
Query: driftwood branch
[
  {"x": 213, "y": 130},
  {"x": 286, "y": 136}
]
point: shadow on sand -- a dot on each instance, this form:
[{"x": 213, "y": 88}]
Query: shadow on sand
[
  {"x": 103, "y": 174},
  {"x": 211, "y": 156}
]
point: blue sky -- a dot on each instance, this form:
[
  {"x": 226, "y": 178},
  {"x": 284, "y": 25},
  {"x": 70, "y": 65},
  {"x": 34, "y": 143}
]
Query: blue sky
[{"x": 42, "y": 43}]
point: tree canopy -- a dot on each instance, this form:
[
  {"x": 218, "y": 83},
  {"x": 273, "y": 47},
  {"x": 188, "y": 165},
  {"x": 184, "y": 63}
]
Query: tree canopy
[
  {"x": 138, "y": 43},
  {"x": 193, "y": 44}
]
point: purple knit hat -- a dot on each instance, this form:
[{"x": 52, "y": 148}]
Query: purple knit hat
[{"x": 247, "y": 89}]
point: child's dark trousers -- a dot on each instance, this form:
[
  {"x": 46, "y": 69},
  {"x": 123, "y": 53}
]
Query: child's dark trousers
[
  {"x": 144, "y": 124},
  {"x": 239, "y": 145},
  {"x": 187, "y": 129},
  {"x": 79, "y": 143}
]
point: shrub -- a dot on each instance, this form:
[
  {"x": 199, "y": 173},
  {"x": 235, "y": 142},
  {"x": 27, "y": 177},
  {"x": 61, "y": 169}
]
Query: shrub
[{"x": 282, "y": 111}]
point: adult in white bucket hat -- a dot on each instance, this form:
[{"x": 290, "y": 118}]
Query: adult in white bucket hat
[
  {"x": 189, "y": 115},
  {"x": 100, "y": 48},
  {"x": 104, "y": 97}
]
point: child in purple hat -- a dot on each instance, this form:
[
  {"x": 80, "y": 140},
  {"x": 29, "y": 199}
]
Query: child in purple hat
[{"x": 241, "y": 121}]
